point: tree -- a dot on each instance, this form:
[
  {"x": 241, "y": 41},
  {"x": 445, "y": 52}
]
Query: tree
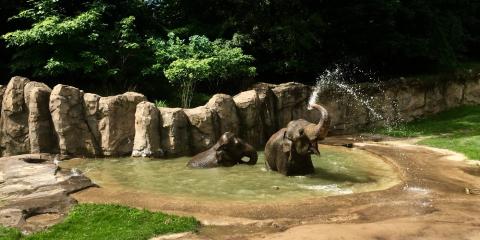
[
  {"x": 80, "y": 41},
  {"x": 187, "y": 64}
]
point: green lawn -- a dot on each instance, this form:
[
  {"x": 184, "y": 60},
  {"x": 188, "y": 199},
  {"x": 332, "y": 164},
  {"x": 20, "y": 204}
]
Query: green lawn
[
  {"x": 456, "y": 129},
  {"x": 95, "y": 221}
]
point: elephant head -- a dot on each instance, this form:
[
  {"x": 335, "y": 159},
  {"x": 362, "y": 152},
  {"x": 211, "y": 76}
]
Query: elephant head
[
  {"x": 230, "y": 150},
  {"x": 299, "y": 130},
  {"x": 297, "y": 142},
  {"x": 293, "y": 156}
]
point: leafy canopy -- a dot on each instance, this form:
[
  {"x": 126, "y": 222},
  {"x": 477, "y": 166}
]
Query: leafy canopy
[{"x": 187, "y": 63}]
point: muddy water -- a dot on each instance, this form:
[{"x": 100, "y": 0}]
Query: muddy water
[{"x": 338, "y": 171}]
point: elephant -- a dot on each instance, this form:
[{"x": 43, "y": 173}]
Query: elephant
[
  {"x": 288, "y": 150},
  {"x": 227, "y": 152}
]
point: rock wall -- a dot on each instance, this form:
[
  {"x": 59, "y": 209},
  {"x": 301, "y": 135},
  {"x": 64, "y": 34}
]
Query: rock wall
[
  {"x": 399, "y": 100},
  {"x": 65, "y": 120}
]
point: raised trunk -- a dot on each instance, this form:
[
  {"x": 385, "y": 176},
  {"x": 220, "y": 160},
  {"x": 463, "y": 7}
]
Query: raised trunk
[{"x": 321, "y": 129}]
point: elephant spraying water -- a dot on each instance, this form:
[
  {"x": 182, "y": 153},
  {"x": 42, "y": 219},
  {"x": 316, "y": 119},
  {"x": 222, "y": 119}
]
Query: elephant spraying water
[{"x": 288, "y": 150}]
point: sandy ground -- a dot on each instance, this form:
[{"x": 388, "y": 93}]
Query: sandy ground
[{"x": 430, "y": 203}]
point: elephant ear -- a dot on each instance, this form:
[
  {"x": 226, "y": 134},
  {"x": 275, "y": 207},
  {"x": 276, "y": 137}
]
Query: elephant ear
[{"x": 286, "y": 144}]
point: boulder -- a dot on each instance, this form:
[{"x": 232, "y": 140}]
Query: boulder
[
  {"x": 472, "y": 92},
  {"x": 204, "y": 129},
  {"x": 2, "y": 91},
  {"x": 33, "y": 185},
  {"x": 292, "y": 103},
  {"x": 435, "y": 98},
  {"x": 411, "y": 101},
  {"x": 147, "y": 131},
  {"x": 268, "y": 104},
  {"x": 14, "y": 118},
  {"x": 454, "y": 94},
  {"x": 250, "y": 115},
  {"x": 225, "y": 108},
  {"x": 117, "y": 123},
  {"x": 90, "y": 104},
  {"x": 175, "y": 132},
  {"x": 40, "y": 126},
  {"x": 68, "y": 115}
]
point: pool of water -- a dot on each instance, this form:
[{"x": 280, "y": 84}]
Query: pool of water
[{"x": 338, "y": 171}]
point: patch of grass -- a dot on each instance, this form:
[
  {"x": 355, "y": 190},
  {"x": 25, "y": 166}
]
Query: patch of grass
[
  {"x": 105, "y": 222},
  {"x": 9, "y": 234},
  {"x": 456, "y": 129}
]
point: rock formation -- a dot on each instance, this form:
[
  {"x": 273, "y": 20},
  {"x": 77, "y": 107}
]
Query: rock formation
[
  {"x": 250, "y": 112},
  {"x": 14, "y": 118},
  {"x": 472, "y": 91},
  {"x": 41, "y": 132},
  {"x": 68, "y": 115},
  {"x": 147, "y": 131},
  {"x": 90, "y": 102},
  {"x": 226, "y": 110},
  {"x": 204, "y": 130},
  {"x": 292, "y": 100},
  {"x": 116, "y": 123},
  {"x": 175, "y": 132},
  {"x": 32, "y": 185},
  {"x": 268, "y": 104}
]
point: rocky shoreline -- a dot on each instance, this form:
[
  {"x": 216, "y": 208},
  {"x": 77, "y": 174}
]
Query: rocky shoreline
[{"x": 35, "y": 192}]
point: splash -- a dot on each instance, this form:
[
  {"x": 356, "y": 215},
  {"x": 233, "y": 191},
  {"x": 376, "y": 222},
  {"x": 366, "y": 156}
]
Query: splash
[{"x": 340, "y": 82}]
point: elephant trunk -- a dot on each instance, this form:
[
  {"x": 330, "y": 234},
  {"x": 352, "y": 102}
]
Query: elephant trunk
[
  {"x": 321, "y": 129},
  {"x": 251, "y": 153}
]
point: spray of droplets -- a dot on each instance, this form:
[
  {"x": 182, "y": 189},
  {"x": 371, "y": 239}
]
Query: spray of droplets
[{"x": 342, "y": 80}]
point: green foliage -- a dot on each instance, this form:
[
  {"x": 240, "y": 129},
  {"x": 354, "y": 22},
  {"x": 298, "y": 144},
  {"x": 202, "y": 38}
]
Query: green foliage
[
  {"x": 104, "y": 222},
  {"x": 81, "y": 42},
  {"x": 124, "y": 44},
  {"x": 187, "y": 64},
  {"x": 456, "y": 129},
  {"x": 161, "y": 103},
  {"x": 52, "y": 38}
]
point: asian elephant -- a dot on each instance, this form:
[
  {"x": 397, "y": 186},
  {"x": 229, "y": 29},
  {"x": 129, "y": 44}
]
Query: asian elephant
[
  {"x": 288, "y": 150},
  {"x": 227, "y": 152}
]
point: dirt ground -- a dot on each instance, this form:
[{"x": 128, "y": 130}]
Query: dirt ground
[{"x": 430, "y": 203}]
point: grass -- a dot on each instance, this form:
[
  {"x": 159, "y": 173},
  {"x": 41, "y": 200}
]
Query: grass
[
  {"x": 10, "y": 234},
  {"x": 456, "y": 129},
  {"x": 105, "y": 221}
]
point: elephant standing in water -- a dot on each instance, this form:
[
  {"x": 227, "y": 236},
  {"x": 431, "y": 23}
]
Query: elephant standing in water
[
  {"x": 227, "y": 152},
  {"x": 288, "y": 150}
]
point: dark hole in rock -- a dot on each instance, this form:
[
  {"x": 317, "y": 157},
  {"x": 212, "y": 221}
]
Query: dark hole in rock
[{"x": 34, "y": 160}]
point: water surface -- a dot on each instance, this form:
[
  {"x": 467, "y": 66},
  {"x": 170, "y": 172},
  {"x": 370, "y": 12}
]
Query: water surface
[{"x": 338, "y": 171}]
